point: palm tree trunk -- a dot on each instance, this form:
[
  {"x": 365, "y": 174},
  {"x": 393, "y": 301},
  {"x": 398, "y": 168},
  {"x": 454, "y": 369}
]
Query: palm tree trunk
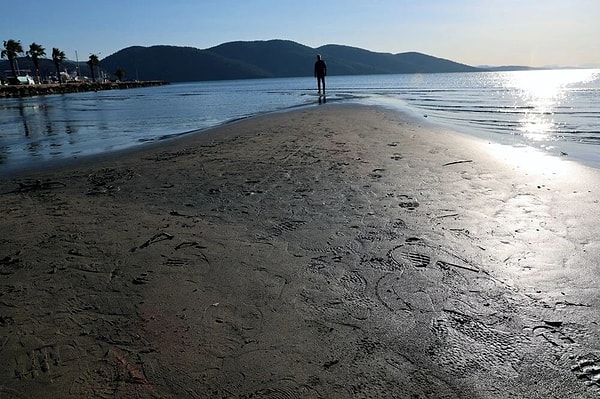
[
  {"x": 11, "y": 61},
  {"x": 58, "y": 73},
  {"x": 37, "y": 70}
]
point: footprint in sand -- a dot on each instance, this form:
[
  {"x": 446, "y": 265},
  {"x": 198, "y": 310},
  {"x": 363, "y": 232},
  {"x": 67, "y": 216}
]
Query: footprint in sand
[
  {"x": 588, "y": 368},
  {"x": 465, "y": 345},
  {"x": 408, "y": 202},
  {"x": 228, "y": 327},
  {"x": 415, "y": 253}
]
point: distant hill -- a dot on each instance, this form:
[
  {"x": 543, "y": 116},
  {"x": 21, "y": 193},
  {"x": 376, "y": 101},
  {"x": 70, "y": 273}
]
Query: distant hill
[
  {"x": 503, "y": 68},
  {"x": 264, "y": 59},
  {"x": 178, "y": 64},
  {"x": 273, "y": 58},
  {"x": 352, "y": 60},
  {"x": 257, "y": 59}
]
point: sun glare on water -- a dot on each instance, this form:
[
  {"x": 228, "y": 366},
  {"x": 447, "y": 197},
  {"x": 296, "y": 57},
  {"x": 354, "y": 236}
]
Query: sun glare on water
[{"x": 541, "y": 94}]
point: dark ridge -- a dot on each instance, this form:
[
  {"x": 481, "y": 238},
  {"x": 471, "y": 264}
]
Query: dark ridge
[{"x": 250, "y": 59}]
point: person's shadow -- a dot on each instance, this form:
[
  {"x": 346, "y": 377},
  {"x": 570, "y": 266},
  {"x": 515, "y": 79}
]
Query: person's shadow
[{"x": 322, "y": 99}]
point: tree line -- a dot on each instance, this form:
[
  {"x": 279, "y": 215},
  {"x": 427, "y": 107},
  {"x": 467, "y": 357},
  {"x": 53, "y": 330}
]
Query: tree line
[{"x": 13, "y": 48}]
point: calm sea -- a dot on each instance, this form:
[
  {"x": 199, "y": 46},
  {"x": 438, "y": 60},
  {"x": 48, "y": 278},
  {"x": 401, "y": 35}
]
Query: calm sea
[{"x": 555, "y": 110}]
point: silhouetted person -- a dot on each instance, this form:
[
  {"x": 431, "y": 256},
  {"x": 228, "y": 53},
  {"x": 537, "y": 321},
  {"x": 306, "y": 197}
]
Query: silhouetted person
[{"x": 320, "y": 73}]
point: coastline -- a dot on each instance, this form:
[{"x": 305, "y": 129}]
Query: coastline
[
  {"x": 51, "y": 127},
  {"x": 336, "y": 251},
  {"x": 16, "y": 91}
]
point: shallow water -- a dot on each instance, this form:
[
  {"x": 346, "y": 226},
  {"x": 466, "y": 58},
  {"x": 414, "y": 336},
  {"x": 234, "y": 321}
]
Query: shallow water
[{"x": 556, "y": 110}]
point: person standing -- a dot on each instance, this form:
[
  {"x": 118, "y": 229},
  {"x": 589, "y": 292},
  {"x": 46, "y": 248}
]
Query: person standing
[{"x": 320, "y": 73}]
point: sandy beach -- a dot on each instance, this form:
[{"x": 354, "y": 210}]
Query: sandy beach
[{"x": 329, "y": 252}]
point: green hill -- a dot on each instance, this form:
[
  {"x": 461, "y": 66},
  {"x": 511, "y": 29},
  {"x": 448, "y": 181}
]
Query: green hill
[
  {"x": 261, "y": 59},
  {"x": 257, "y": 59},
  {"x": 275, "y": 58}
]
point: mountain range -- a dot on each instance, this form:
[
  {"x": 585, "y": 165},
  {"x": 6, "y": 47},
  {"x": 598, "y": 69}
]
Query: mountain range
[
  {"x": 253, "y": 59},
  {"x": 266, "y": 59}
]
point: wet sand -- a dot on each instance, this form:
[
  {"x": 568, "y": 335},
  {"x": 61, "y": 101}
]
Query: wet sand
[{"x": 337, "y": 251}]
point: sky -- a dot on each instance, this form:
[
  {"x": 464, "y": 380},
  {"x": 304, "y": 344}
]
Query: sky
[{"x": 473, "y": 32}]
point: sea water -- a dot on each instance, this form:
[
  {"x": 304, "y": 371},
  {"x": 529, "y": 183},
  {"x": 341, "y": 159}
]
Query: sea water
[{"x": 557, "y": 111}]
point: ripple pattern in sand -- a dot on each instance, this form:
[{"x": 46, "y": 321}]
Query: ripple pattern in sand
[
  {"x": 224, "y": 336},
  {"x": 465, "y": 344}
]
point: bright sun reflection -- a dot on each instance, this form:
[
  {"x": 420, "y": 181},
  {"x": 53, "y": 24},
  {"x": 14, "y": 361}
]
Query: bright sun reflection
[
  {"x": 531, "y": 160},
  {"x": 541, "y": 94}
]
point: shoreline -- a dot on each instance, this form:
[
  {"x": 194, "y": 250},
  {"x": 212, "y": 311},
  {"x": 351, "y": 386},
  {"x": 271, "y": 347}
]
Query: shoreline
[
  {"x": 213, "y": 132},
  {"x": 584, "y": 155},
  {"x": 17, "y": 91},
  {"x": 63, "y": 139},
  {"x": 339, "y": 251},
  {"x": 409, "y": 114}
]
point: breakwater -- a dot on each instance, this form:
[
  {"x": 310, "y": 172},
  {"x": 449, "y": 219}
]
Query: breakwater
[{"x": 12, "y": 91}]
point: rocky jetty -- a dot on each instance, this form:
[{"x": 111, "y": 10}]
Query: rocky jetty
[{"x": 11, "y": 91}]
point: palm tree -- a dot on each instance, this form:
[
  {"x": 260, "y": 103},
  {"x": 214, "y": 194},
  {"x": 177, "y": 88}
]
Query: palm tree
[
  {"x": 57, "y": 58},
  {"x": 35, "y": 52},
  {"x": 120, "y": 73},
  {"x": 12, "y": 48},
  {"x": 94, "y": 61}
]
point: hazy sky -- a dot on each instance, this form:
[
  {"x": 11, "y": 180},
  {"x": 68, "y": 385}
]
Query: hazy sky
[{"x": 475, "y": 32}]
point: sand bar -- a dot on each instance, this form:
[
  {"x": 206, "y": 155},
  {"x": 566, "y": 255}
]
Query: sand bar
[{"x": 336, "y": 251}]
